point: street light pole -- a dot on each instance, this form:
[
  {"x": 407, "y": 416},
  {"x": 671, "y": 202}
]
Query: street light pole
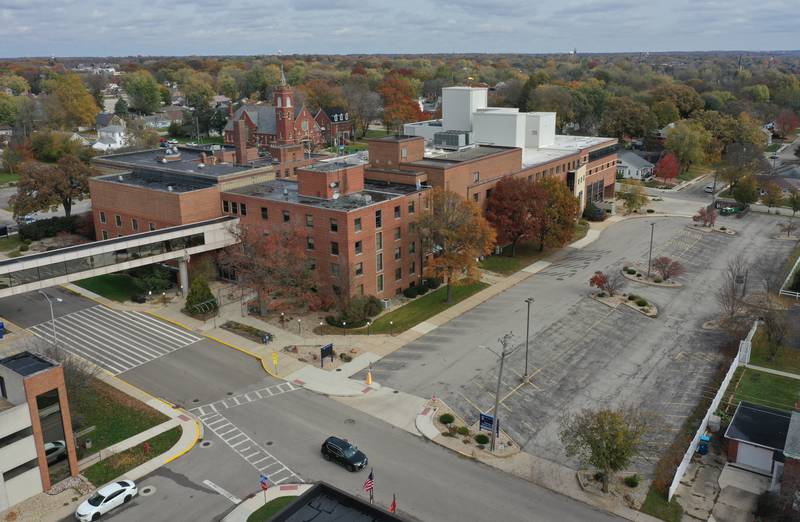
[
  {"x": 650, "y": 255},
  {"x": 52, "y": 315},
  {"x": 527, "y": 336},
  {"x": 504, "y": 341}
]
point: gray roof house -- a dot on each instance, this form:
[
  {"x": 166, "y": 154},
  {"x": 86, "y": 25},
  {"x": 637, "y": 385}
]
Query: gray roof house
[
  {"x": 262, "y": 116},
  {"x": 633, "y": 166}
]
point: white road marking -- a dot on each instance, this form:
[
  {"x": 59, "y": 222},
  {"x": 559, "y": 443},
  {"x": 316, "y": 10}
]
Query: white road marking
[{"x": 223, "y": 492}]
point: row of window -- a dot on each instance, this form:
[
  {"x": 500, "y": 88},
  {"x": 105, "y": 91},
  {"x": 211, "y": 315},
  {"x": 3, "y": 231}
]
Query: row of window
[
  {"x": 600, "y": 167},
  {"x": 14, "y": 437},
  {"x": 118, "y": 223},
  {"x": 19, "y": 470},
  {"x": 359, "y": 269}
]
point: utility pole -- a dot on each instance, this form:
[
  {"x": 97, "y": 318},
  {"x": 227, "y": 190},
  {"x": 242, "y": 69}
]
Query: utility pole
[
  {"x": 650, "y": 255},
  {"x": 527, "y": 336},
  {"x": 52, "y": 315},
  {"x": 504, "y": 342}
]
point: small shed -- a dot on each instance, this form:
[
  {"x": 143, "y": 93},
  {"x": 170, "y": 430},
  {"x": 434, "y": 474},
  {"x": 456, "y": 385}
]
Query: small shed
[{"x": 756, "y": 437}]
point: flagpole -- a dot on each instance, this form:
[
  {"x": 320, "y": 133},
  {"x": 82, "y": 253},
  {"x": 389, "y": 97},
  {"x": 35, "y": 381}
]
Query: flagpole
[{"x": 372, "y": 489}]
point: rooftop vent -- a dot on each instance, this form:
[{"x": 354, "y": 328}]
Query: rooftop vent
[
  {"x": 120, "y": 178},
  {"x": 170, "y": 188}
]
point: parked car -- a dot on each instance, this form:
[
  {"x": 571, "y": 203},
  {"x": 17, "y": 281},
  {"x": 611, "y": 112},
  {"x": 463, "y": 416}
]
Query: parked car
[
  {"x": 105, "y": 499},
  {"x": 343, "y": 453},
  {"x": 709, "y": 188},
  {"x": 55, "y": 450}
]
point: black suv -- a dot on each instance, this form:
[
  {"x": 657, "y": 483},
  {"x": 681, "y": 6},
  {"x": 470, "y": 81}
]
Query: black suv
[{"x": 344, "y": 453}]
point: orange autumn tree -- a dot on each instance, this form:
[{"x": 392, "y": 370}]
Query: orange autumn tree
[
  {"x": 555, "y": 212},
  {"x": 399, "y": 101},
  {"x": 454, "y": 232}
]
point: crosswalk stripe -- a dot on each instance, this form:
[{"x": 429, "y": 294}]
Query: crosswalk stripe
[
  {"x": 115, "y": 338},
  {"x": 162, "y": 327},
  {"x": 82, "y": 352},
  {"x": 69, "y": 332},
  {"x": 125, "y": 323},
  {"x": 113, "y": 325}
]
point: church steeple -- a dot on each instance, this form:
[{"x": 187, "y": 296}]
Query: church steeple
[
  {"x": 283, "y": 76},
  {"x": 284, "y": 111}
]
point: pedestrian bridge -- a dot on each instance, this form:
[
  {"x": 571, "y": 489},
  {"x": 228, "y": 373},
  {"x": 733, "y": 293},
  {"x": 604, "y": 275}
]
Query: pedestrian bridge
[{"x": 65, "y": 265}]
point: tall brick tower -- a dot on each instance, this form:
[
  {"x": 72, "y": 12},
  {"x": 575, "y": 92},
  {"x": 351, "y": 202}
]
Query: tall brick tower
[{"x": 284, "y": 112}]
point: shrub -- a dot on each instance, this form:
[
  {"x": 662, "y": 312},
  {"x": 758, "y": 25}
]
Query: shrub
[
  {"x": 593, "y": 213},
  {"x": 723, "y": 228},
  {"x": 200, "y": 293},
  {"x": 432, "y": 282},
  {"x": 51, "y": 227},
  {"x": 641, "y": 302},
  {"x": 422, "y": 290},
  {"x": 446, "y": 418},
  {"x": 598, "y": 476},
  {"x": 463, "y": 430},
  {"x": 631, "y": 271},
  {"x": 650, "y": 210},
  {"x": 632, "y": 481},
  {"x": 601, "y": 294},
  {"x": 411, "y": 292},
  {"x": 633, "y": 297},
  {"x": 482, "y": 438},
  {"x": 373, "y": 306},
  {"x": 345, "y": 357},
  {"x": 657, "y": 280},
  {"x": 356, "y": 312},
  {"x": 638, "y": 275},
  {"x": 23, "y": 248}
]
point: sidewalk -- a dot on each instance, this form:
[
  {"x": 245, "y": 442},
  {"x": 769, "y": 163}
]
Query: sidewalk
[
  {"x": 773, "y": 372},
  {"x": 246, "y": 508}
]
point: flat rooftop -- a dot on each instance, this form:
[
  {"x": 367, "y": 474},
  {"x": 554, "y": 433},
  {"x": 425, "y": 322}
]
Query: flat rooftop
[
  {"x": 449, "y": 159},
  {"x": 159, "y": 181},
  {"x": 284, "y": 190},
  {"x": 563, "y": 147},
  {"x": 325, "y": 503},
  {"x": 26, "y": 363},
  {"x": 760, "y": 425},
  {"x": 394, "y": 137},
  {"x": 189, "y": 162}
]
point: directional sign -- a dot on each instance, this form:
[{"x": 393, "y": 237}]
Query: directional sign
[
  {"x": 325, "y": 351},
  {"x": 264, "y": 480},
  {"x": 486, "y": 422}
]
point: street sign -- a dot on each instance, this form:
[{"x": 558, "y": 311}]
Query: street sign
[
  {"x": 325, "y": 351},
  {"x": 264, "y": 481},
  {"x": 266, "y": 338},
  {"x": 275, "y": 359},
  {"x": 486, "y": 422}
]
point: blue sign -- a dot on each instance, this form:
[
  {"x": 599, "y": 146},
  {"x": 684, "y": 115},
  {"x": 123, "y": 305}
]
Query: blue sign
[
  {"x": 266, "y": 338},
  {"x": 325, "y": 351},
  {"x": 486, "y": 422}
]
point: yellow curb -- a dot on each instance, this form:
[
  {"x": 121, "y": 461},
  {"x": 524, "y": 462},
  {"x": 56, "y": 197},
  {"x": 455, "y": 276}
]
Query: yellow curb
[
  {"x": 174, "y": 407},
  {"x": 185, "y": 327},
  {"x": 191, "y": 446},
  {"x": 247, "y": 352}
]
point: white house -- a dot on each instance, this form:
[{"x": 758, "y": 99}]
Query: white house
[
  {"x": 633, "y": 166},
  {"x": 111, "y": 137}
]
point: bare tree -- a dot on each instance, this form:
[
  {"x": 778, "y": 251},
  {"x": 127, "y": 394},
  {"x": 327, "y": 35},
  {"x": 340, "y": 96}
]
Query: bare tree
[
  {"x": 727, "y": 295},
  {"x": 768, "y": 269},
  {"x": 79, "y": 374},
  {"x": 788, "y": 227},
  {"x": 776, "y": 328}
]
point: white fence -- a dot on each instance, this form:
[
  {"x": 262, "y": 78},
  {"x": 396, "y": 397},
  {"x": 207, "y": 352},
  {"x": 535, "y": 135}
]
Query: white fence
[
  {"x": 788, "y": 281},
  {"x": 742, "y": 358}
]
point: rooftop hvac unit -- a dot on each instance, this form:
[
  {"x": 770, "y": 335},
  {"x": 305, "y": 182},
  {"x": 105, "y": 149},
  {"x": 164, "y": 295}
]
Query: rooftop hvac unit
[{"x": 451, "y": 140}]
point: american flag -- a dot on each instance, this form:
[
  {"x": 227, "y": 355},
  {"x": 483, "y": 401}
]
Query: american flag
[{"x": 369, "y": 484}]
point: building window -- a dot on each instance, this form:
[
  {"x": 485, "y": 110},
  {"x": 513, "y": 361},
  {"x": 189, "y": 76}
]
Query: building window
[
  {"x": 411, "y": 207},
  {"x": 334, "y": 225},
  {"x": 379, "y": 241},
  {"x": 104, "y": 233},
  {"x": 225, "y": 206},
  {"x": 309, "y": 220},
  {"x": 380, "y": 283},
  {"x": 357, "y": 224},
  {"x": 413, "y": 268},
  {"x": 234, "y": 207},
  {"x": 359, "y": 269},
  {"x": 378, "y": 219},
  {"x": 102, "y": 217},
  {"x": 243, "y": 209},
  {"x": 476, "y": 176},
  {"x": 264, "y": 213},
  {"x": 397, "y": 212},
  {"x": 19, "y": 470},
  {"x": 398, "y": 274},
  {"x": 379, "y": 262},
  {"x": 397, "y": 234},
  {"x": 304, "y": 125},
  {"x": 359, "y": 247},
  {"x": 118, "y": 220},
  {"x": 398, "y": 253},
  {"x": 312, "y": 264},
  {"x": 335, "y": 269},
  {"x": 135, "y": 224},
  {"x": 412, "y": 247},
  {"x": 285, "y": 216},
  {"x": 475, "y": 197},
  {"x": 404, "y": 152},
  {"x": 334, "y": 248},
  {"x": 309, "y": 243},
  {"x": 360, "y": 289},
  {"x": 152, "y": 226}
]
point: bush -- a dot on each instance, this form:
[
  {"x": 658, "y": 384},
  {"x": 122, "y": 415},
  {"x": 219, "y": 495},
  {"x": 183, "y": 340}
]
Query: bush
[
  {"x": 51, "y": 227},
  {"x": 593, "y": 213},
  {"x": 23, "y": 248},
  {"x": 463, "y": 430},
  {"x": 356, "y": 312},
  {"x": 432, "y": 282},
  {"x": 601, "y": 294},
  {"x": 200, "y": 294},
  {"x": 657, "y": 280},
  {"x": 373, "y": 306},
  {"x": 411, "y": 292},
  {"x": 482, "y": 438},
  {"x": 446, "y": 418},
  {"x": 641, "y": 302},
  {"x": 633, "y": 297},
  {"x": 631, "y": 271},
  {"x": 632, "y": 481},
  {"x": 650, "y": 210},
  {"x": 422, "y": 290},
  {"x": 723, "y": 228},
  {"x": 345, "y": 357}
]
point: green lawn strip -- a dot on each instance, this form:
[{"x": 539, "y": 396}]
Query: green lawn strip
[
  {"x": 10, "y": 243},
  {"x": 774, "y": 147},
  {"x": 117, "y": 287},
  {"x": 109, "y": 469},
  {"x": 527, "y": 254},
  {"x": 7, "y": 177},
  {"x": 762, "y": 388},
  {"x": 694, "y": 172},
  {"x": 115, "y": 415},
  {"x": 786, "y": 359},
  {"x": 373, "y": 133},
  {"x": 656, "y": 505},
  {"x": 268, "y": 510}
]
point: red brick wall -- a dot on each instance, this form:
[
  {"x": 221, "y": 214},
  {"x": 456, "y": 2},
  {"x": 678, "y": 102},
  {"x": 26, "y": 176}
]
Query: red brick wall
[
  {"x": 388, "y": 153},
  {"x": 732, "y": 449},
  {"x": 312, "y": 133},
  {"x": 790, "y": 484}
]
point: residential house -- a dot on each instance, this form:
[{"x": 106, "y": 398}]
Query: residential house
[
  {"x": 6, "y": 131},
  {"x": 104, "y": 119},
  {"x": 336, "y": 125},
  {"x": 632, "y": 166},
  {"x": 111, "y": 137},
  {"x": 756, "y": 437},
  {"x": 790, "y": 482}
]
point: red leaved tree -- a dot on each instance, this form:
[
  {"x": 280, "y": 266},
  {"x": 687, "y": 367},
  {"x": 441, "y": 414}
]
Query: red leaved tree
[
  {"x": 706, "y": 215},
  {"x": 510, "y": 211},
  {"x": 668, "y": 267},
  {"x": 786, "y": 122},
  {"x": 609, "y": 284},
  {"x": 668, "y": 167}
]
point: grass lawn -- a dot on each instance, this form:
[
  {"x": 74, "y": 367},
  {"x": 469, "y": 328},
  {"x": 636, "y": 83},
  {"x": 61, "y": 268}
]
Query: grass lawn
[
  {"x": 7, "y": 177},
  {"x": 373, "y": 133},
  {"x": 695, "y": 171},
  {"x": 114, "y": 415},
  {"x": 268, "y": 510},
  {"x": 656, "y": 505},
  {"x": 774, "y": 147},
  {"x": 527, "y": 253},
  {"x": 413, "y": 313},
  {"x": 761, "y": 388},
  {"x": 10, "y": 243},
  {"x": 786, "y": 359},
  {"x": 107, "y": 470},
  {"x": 117, "y": 287}
]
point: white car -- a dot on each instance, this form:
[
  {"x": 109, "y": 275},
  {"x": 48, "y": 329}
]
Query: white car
[
  {"x": 105, "y": 499},
  {"x": 55, "y": 451},
  {"x": 709, "y": 188}
]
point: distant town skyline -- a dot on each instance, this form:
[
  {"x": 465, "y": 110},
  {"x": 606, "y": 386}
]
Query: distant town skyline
[{"x": 247, "y": 27}]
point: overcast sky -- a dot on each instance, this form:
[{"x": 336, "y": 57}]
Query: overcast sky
[{"x": 183, "y": 27}]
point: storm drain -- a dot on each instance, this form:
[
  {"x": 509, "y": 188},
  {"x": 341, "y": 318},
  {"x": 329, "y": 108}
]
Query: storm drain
[{"x": 147, "y": 491}]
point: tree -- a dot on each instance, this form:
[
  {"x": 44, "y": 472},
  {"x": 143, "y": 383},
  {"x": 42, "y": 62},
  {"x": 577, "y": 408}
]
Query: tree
[
  {"x": 555, "y": 211},
  {"x": 668, "y": 167},
  {"x": 456, "y": 234},
  {"x": 786, "y": 122},
  {"x": 668, "y": 267},
  {"x": 400, "y": 104},
  {"x": 121, "y": 108},
  {"x": 68, "y": 103},
  {"x": 633, "y": 196},
  {"x": 740, "y": 160},
  {"x": 605, "y": 439},
  {"x": 727, "y": 295},
  {"x": 51, "y": 146},
  {"x": 684, "y": 98},
  {"x": 746, "y": 191},
  {"x": 143, "y": 91},
  {"x": 788, "y": 227},
  {"x": 9, "y": 107},
  {"x": 510, "y": 210},
  {"x": 259, "y": 80},
  {"x": 364, "y": 104},
  {"x": 17, "y": 84},
  {"x": 708, "y": 216},
  {"x": 553, "y": 98},
  {"x": 609, "y": 284},
  {"x": 625, "y": 118},
  {"x": 793, "y": 200},
  {"x": 773, "y": 195},
  {"x": 45, "y": 186},
  {"x": 689, "y": 142},
  {"x": 200, "y": 299},
  {"x": 665, "y": 112}
]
